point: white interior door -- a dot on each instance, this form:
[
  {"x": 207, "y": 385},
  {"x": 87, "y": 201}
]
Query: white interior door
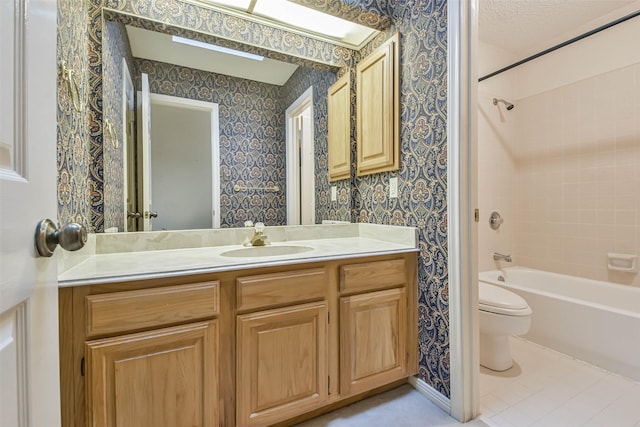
[
  {"x": 29, "y": 367},
  {"x": 307, "y": 168},
  {"x": 144, "y": 151},
  {"x": 300, "y": 161}
]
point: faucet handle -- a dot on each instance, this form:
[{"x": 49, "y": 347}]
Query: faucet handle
[
  {"x": 259, "y": 227},
  {"x": 248, "y": 223}
]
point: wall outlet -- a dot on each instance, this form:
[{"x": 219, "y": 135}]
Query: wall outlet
[
  {"x": 393, "y": 187},
  {"x": 334, "y": 193}
]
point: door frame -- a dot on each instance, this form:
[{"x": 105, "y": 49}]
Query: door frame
[
  {"x": 127, "y": 83},
  {"x": 293, "y": 158},
  {"x": 462, "y": 201},
  {"x": 212, "y": 108}
]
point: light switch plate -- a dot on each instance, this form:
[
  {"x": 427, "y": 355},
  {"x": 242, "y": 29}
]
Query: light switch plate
[
  {"x": 393, "y": 187},
  {"x": 334, "y": 193}
]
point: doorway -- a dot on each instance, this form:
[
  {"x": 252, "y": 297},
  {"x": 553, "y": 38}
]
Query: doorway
[
  {"x": 301, "y": 187},
  {"x": 184, "y": 164}
]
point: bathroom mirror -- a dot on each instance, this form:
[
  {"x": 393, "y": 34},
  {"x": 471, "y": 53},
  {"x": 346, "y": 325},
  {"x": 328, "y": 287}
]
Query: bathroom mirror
[{"x": 249, "y": 122}]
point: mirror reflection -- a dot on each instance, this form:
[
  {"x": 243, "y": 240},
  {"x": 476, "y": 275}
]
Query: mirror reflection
[{"x": 209, "y": 138}]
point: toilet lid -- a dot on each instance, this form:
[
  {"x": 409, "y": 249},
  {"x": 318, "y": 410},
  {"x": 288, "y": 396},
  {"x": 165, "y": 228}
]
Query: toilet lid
[{"x": 498, "y": 300}]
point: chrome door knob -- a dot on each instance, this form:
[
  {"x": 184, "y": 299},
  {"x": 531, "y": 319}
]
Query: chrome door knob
[
  {"x": 151, "y": 214},
  {"x": 133, "y": 215},
  {"x": 71, "y": 237}
]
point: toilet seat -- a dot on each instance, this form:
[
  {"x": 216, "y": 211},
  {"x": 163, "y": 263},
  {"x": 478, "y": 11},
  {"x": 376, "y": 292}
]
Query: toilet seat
[{"x": 495, "y": 299}]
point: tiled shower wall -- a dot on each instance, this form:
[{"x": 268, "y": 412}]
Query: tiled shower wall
[
  {"x": 562, "y": 168},
  {"x": 578, "y": 177}
]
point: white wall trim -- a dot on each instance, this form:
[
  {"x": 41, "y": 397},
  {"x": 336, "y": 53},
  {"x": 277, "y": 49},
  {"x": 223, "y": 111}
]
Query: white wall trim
[
  {"x": 462, "y": 200},
  {"x": 293, "y": 158},
  {"x": 431, "y": 393},
  {"x": 211, "y": 107},
  {"x": 126, "y": 83}
]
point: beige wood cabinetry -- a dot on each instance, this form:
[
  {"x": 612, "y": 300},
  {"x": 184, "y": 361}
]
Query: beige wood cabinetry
[
  {"x": 378, "y": 109},
  {"x": 339, "y": 123},
  {"x": 255, "y": 347},
  {"x": 375, "y": 346},
  {"x": 282, "y": 363},
  {"x": 372, "y": 339},
  {"x": 161, "y": 378}
]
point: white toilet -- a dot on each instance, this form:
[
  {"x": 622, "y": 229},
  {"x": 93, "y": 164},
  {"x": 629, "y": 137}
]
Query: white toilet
[{"x": 502, "y": 313}]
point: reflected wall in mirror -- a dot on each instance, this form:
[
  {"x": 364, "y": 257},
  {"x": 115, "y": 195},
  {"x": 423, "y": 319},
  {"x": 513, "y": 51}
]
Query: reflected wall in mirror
[
  {"x": 106, "y": 154},
  {"x": 252, "y": 142}
]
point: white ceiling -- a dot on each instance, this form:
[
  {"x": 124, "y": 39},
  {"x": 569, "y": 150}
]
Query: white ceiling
[
  {"x": 525, "y": 27},
  {"x": 147, "y": 44}
]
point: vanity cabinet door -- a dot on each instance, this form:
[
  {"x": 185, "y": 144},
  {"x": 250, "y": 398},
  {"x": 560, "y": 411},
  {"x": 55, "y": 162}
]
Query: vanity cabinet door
[
  {"x": 281, "y": 368},
  {"x": 373, "y": 339},
  {"x": 339, "y": 123},
  {"x": 160, "y": 378}
]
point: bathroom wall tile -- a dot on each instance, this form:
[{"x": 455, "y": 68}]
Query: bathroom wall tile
[{"x": 581, "y": 178}]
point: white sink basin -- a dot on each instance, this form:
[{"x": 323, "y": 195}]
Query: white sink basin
[{"x": 262, "y": 251}]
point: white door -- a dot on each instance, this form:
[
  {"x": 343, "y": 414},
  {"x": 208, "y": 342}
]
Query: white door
[
  {"x": 307, "y": 168},
  {"x": 29, "y": 368},
  {"x": 144, "y": 150},
  {"x": 300, "y": 161}
]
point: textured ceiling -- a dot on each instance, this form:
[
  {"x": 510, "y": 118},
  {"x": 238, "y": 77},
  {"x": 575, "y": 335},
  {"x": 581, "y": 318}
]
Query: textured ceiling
[{"x": 525, "y": 26}]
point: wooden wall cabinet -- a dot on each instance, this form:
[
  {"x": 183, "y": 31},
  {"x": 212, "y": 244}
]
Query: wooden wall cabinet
[
  {"x": 339, "y": 123},
  {"x": 378, "y": 109},
  {"x": 248, "y": 348}
]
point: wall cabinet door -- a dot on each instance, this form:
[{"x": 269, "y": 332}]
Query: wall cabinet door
[
  {"x": 378, "y": 109},
  {"x": 161, "y": 378},
  {"x": 373, "y": 334},
  {"x": 339, "y": 122},
  {"x": 281, "y": 363}
]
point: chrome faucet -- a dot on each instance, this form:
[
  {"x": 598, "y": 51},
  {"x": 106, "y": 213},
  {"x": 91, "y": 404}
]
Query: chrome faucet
[
  {"x": 258, "y": 238},
  {"x": 501, "y": 257}
]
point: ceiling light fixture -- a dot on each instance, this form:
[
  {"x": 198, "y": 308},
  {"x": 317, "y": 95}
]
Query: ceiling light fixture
[{"x": 216, "y": 48}]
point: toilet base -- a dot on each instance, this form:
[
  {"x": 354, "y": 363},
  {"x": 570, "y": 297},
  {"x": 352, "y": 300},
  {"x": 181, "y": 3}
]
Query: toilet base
[{"x": 495, "y": 352}]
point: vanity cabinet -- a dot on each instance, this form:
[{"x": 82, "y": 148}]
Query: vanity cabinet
[
  {"x": 282, "y": 363},
  {"x": 254, "y": 347},
  {"x": 281, "y": 353},
  {"x": 339, "y": 124},
  {"x": 378, "y": 109},
  {"x": 373, "y": 324},
  {"x": 160, "y": 378}
]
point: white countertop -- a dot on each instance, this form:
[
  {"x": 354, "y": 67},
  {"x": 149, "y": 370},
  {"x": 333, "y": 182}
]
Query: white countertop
[{"x": 101, "y": 264}]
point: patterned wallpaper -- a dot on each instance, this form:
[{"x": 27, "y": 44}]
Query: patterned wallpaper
[
  {"x": 299, "y": 82},
  {"x": 252, "y": 138},
  {"x": 81, "y": 180},
  {"x": 422, "y": 178},
  {"x": 115, "y": 48},
  {"x": 74, "y": 161}
]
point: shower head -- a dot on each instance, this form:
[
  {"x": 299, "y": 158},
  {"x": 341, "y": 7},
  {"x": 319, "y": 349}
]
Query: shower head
[{"x": 506, "y": 103}]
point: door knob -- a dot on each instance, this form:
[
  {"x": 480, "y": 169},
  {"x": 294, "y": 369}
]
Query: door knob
[
  {"x": 151, "y": 214},
  {"x": 71, "y": 237},
  {"x": 133, "y": 215}
]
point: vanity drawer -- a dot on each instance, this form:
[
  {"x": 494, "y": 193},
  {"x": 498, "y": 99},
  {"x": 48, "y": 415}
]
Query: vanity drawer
[
  {"x": 268, "y": 290},
  {"x": 370, "y": 276},
  {"x": 145, "y": 308}
]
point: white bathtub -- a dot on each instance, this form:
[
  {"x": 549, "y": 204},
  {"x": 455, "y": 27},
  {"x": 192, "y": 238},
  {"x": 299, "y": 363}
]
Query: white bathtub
[{"x": 598, "y": 322}]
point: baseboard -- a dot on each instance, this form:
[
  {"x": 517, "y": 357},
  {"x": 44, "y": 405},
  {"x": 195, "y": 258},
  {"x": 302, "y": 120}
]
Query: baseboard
[{"x": 431, "y": 393}]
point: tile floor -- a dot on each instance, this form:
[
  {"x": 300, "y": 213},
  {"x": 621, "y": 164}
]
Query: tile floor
[
  {"x": 545, "y": 388},
  {"x": 400, "y": 407}
]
